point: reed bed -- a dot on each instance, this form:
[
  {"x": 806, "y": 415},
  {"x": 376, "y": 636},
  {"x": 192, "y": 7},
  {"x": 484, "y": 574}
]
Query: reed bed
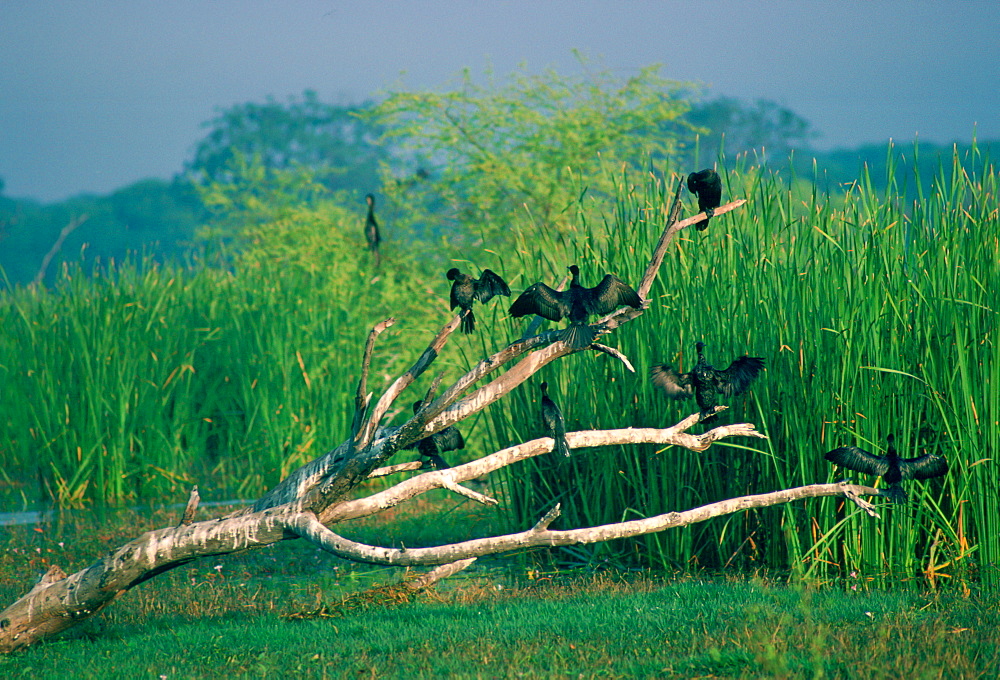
[{"x": 876, "y": 313}]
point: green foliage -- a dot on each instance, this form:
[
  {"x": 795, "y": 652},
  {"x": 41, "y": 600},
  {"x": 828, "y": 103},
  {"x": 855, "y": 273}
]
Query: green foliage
[
  {"x": 873, "y": 311},
  {"x": 334, "y": 142},
  {"x": 875, "y": 315},
  {"x": 526, "y": 148},
  {"x": 150, "y": 216},
  {"x": 134, "y": 384}
]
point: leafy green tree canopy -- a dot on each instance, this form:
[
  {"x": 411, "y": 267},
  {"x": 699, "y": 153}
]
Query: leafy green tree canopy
[
  {"x": 339, "y": 147},
  {"x": 531, "y": 144}
]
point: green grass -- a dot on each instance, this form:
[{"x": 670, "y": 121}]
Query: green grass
[
  {"x": 485, "y": 627},
  {"x": 255, "y": 615}
]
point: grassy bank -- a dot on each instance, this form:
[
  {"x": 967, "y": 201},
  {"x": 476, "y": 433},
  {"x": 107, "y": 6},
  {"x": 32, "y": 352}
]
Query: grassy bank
[{"x": 289, "y": 610}]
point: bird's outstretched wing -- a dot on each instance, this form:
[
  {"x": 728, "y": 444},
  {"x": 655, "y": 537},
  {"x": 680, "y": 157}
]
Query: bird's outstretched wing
[
  {"x": 675, "y": 385},
  {"x": 610, "y": 294},
  {"x": 737, "y": 379},
  {"x": 853, "y": 458},
  {"x": 490, "y": 284},
  {"x": 541, "y": 300},
  {"x": 923, "y": 467}
]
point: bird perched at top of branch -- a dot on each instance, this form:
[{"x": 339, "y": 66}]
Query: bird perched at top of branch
[
  {"x": 705, "y": 382},
  {"x": 577, "y": 304},
  {"x": 707, "y": 186},
  {"x": 371, "y": 228},
  {"x": 890, "y": 467},
  {"x": 465, "y": 290},
  {"x": 448, "y": 439},
  {"x": 555, "y": 425}
]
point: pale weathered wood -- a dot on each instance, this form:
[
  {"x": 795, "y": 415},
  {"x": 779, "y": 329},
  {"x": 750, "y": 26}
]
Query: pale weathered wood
[{"x": 309, "y": 527}]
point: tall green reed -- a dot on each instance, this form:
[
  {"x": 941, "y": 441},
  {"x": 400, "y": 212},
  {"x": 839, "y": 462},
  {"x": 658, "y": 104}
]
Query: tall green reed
[
  {"x": 876, "y": 315},
  {"x": 874, "y": 311}
]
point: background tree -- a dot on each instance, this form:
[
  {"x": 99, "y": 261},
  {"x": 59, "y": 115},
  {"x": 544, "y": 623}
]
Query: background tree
[
  {"x": 525, "y": 148},
  {"x": 340, "y": 147},
  {"x": 733, "y": 126}
]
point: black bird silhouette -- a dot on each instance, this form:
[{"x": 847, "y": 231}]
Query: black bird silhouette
[
  {"x": 890, "y": 467},
  {"x": 707, "y": 186},
  {"x": 371, "y": 228},
  {"x": 577, "y": 304},
  {"x": 466, "y": 289},
  {"x": 706, "y": 383},
  {"x": 448, "y": 439},
  {"x": 552, "y": 419}
]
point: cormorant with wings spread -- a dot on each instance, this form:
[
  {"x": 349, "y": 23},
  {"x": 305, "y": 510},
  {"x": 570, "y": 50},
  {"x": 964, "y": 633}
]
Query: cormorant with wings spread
[
  {"x": 465, "y": 290},
  {"x": 705, "y": 383},
  {"x": 577, "y": 304},
  {"x": 890, "y": 467}
]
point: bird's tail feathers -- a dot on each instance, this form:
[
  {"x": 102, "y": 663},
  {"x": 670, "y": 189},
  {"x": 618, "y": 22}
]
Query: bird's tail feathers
[
  {"x": 561, "y": 446},
  {"x": 895, "y": 493},
  {"x": 436, "y": 461},
  {"x": 578, "y": 336},
  {"x": 468, "y": 321}
]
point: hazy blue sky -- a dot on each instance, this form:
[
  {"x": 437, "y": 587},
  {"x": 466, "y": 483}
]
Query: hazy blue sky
[{"x": 95, "y": 95}]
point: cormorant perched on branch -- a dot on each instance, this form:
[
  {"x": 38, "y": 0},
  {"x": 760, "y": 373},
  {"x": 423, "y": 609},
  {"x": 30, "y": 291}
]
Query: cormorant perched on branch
[
  {"x": 448, "y": 439},
  {"x": 555, "y": 425},
  {"x": 707, "y": 186},
  {"x": 706, "y": 383},
  {"x": 890, "y": 467},
  {"x": 371, "y": 228},
  {"x": 466, "y": 289},
  {"x": 577, "y": 304}
]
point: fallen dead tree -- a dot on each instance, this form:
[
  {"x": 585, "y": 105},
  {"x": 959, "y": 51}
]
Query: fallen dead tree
[{"x": 315, "y": 497}]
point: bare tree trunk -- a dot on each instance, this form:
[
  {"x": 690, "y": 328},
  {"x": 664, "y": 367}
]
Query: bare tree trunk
[
  {"x": 313, "y": 497},
  {"x": 56, "y": 247}
]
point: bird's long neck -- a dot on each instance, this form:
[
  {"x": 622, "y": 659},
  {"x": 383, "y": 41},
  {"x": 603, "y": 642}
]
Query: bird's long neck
[
  {"x": 701, "y": 357},
  {"x": 574, "y": 281}
]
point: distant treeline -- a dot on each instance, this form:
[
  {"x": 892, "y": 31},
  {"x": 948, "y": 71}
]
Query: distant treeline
[{"x": 349, "y": 150}]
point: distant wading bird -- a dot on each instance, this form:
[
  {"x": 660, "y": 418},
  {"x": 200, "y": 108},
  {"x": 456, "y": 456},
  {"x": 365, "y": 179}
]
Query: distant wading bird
[
  {"x": 576, "y": 304},
  {"x": 555, "y": 425},
  {"x": 371, "y": 228},
  {"x": 705, "y": 382},
  {"x": 707, "y": 186},
  {"x": 448, "y": 439},
  {"x": 466, "y": 289},
  {"x": 890, "y": 467}
]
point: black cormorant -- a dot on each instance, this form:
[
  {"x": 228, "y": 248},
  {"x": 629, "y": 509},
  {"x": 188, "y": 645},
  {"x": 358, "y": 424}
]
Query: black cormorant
[
  {"x": 466, "y": 289},
  {"x": 890, "y": 467},
  {"x": 577, "y": 304},
  {"x": 555, "y": 425},
  {"x": 371, "y": 228},
  {"x": 707, "y": 186},
  {"x": 706, "y": 383},
  {"x": 448, "y": 439}
]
